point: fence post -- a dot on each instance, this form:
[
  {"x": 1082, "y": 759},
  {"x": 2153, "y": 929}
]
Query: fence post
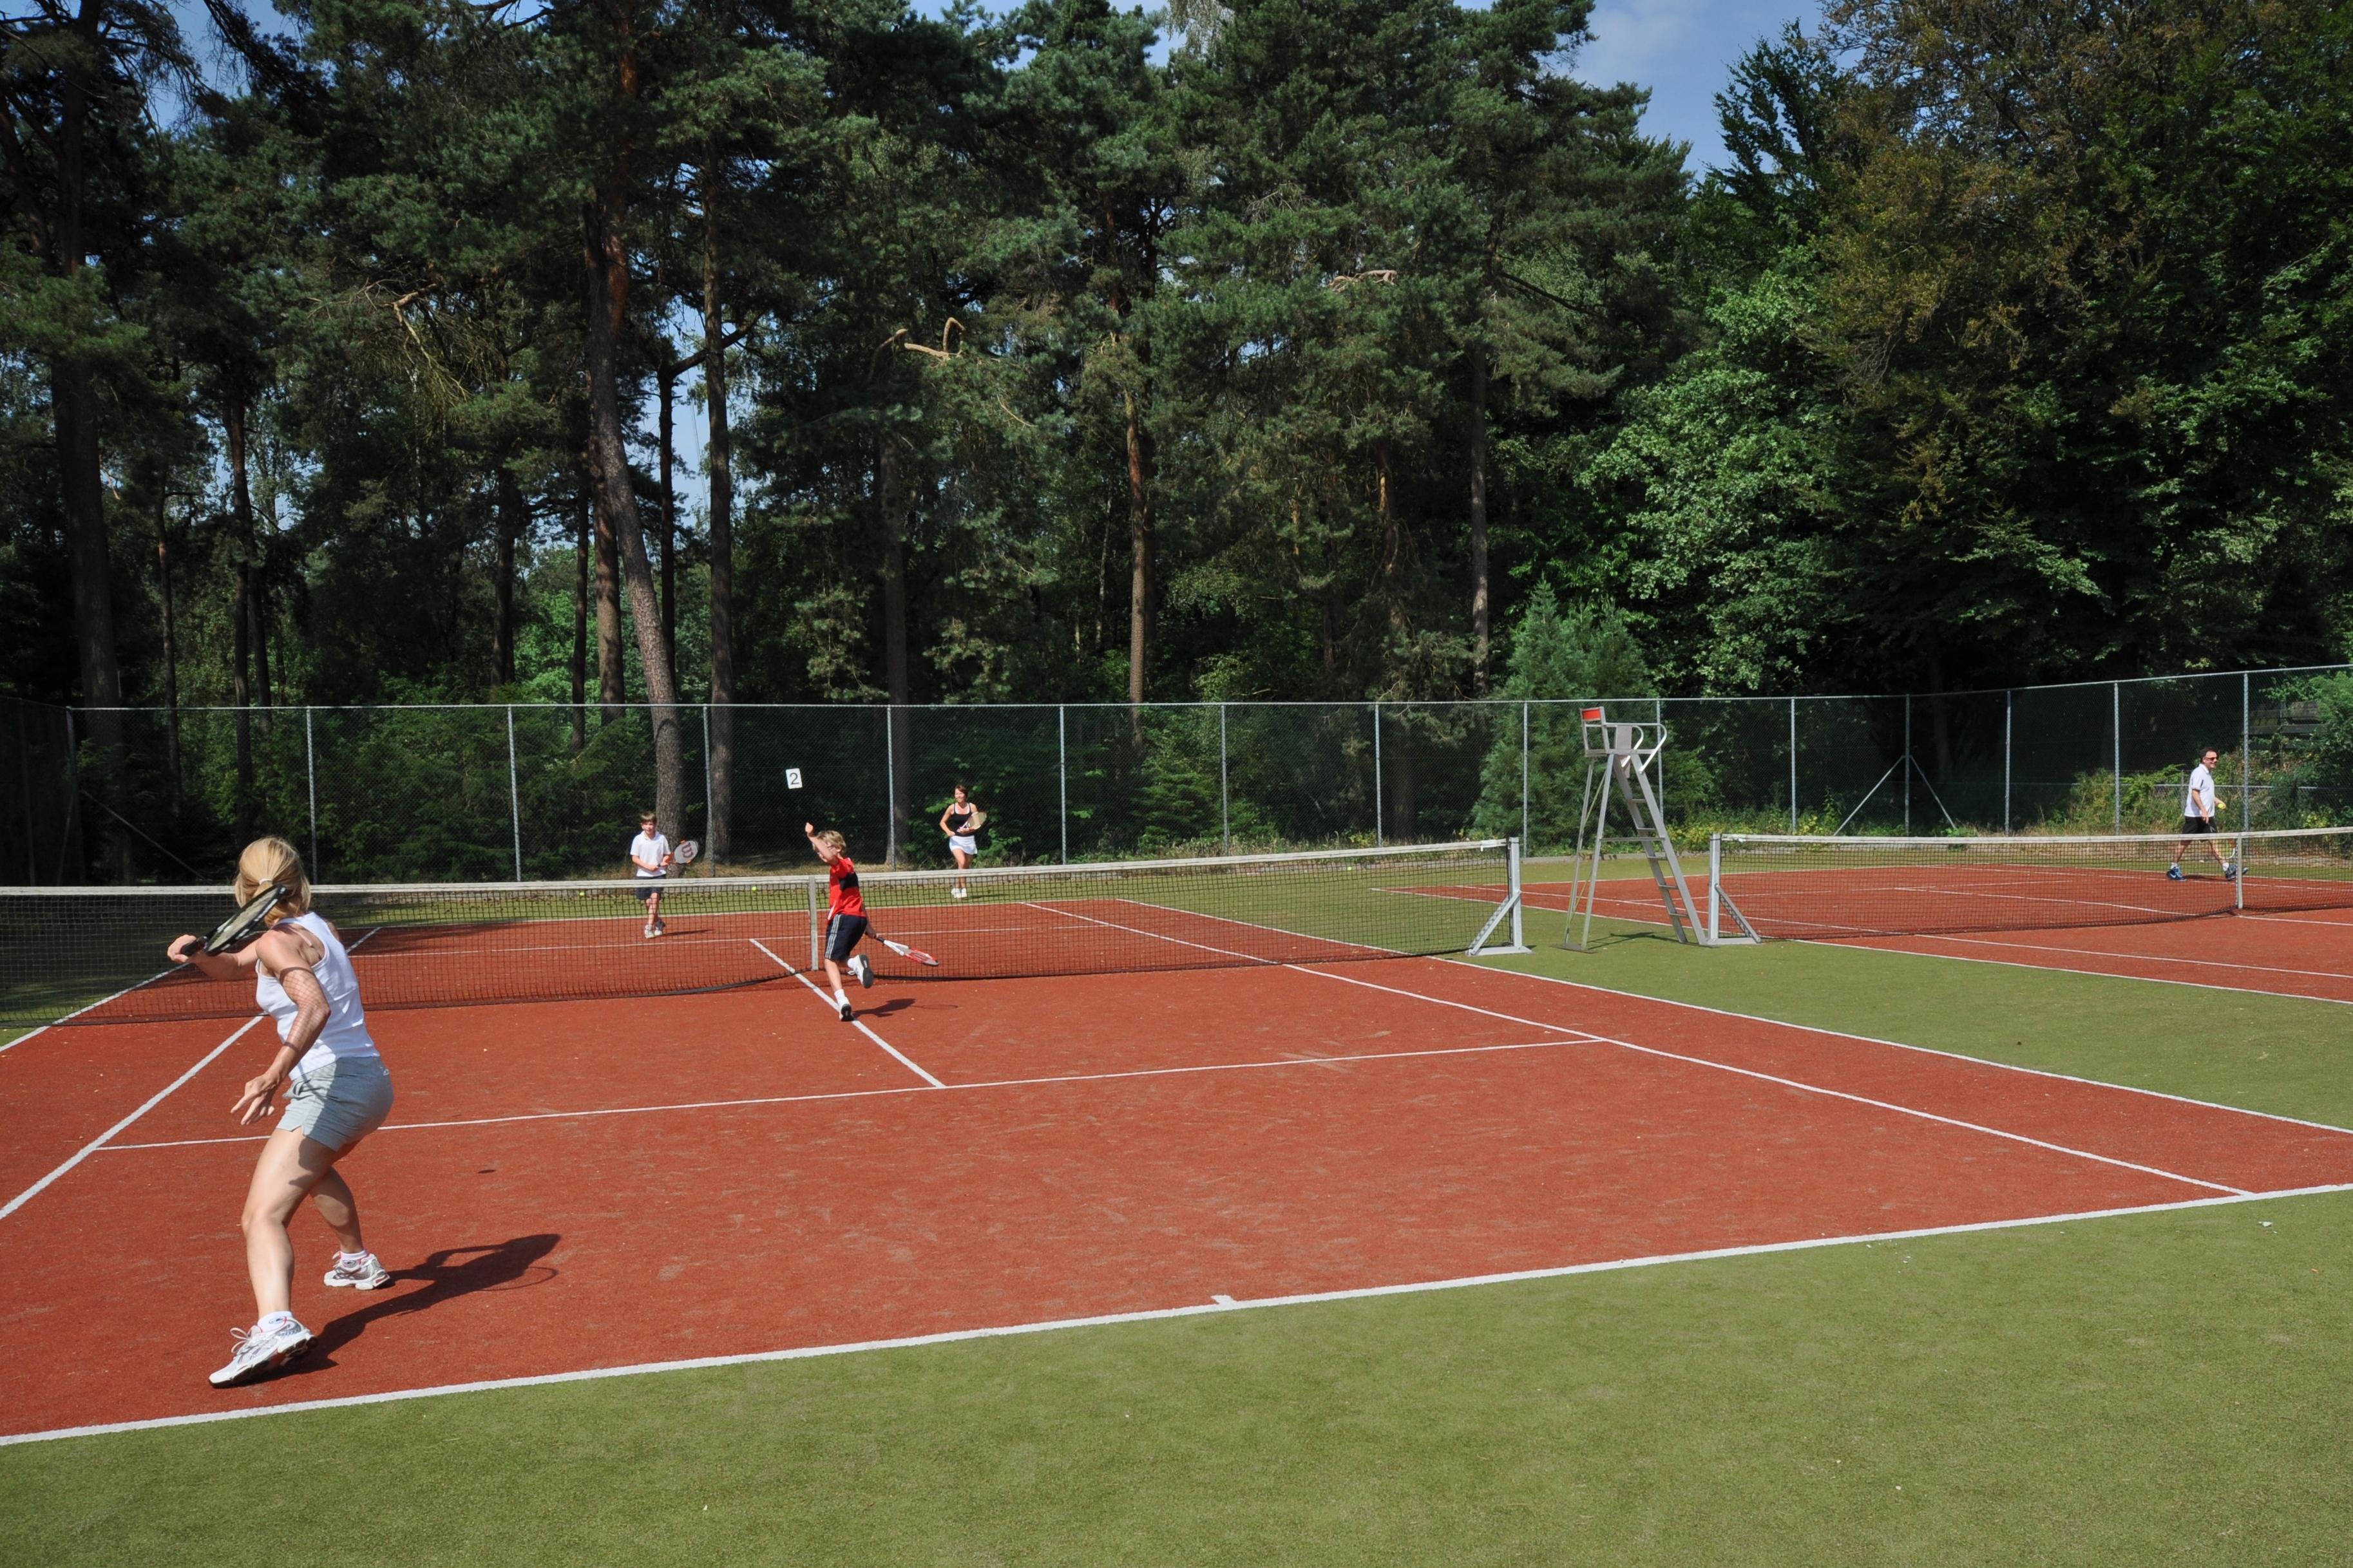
[
  {"x": 706, "y": 770},
  {"x": 310, "y": 774},
  {"x": 1908, "y": 764},
  {"x": 2117, "y": 724},
  {"x": 515, "y": 794},
  {"x": 1523, "y": 775},
  {"x": 73, "y": 801},
  {"x": 891, "y": 783},
  {"x": 2246, "y": 763},
  {"x": 1062, "y": 773},
  {"x": 25, "y": 776},
  {"x": 1658, "y": 717},
  {"x": 2008, "y": 704},
  {"x": 1380, "y": 806},
  {"x": 1793, "y": 764},
  {"x": 1225, "y": 807}
]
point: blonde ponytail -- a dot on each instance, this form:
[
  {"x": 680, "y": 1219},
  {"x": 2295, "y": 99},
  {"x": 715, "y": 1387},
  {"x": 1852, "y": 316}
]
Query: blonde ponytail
[{"x": 273, "y": 860}]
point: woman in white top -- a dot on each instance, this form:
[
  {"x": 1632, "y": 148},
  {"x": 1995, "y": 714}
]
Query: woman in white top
[{"x": 340, "y": 1094}]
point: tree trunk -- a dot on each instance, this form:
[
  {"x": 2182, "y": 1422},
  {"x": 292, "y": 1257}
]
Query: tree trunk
[
  {"x": 1140, "y": 543},
  {"x": 891, "y": 507},
  {"x": 669, "y": 525},
  {"x": 74, "y": 408},
  {"x": 1479, "y": 608},
  {"x": 721, "y": 782},
  {"x": 240, "y": 696},
  {"x": 608, "y": 268},
  {"x": 580, "y": 547},
  {"x": 515, "y": 516},
  {"x": 170, "y": 641},
  {"x": 257, "y": 599},
  {"x": 612, "y": 684},
  {"x": 241, "y": 613},
  {"x": 1398, "y": 785}
]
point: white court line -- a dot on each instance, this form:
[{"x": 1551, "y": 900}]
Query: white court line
[
  {"x": 1563, "y": 1038},
  {"x": 99, "y": 1142},
  {"x": 2129, "y": 957},
  {"x": 858, "y": 1024},
  {"x": 1806, "y": 1087},
  {"x": 1153, "y": 1315},
  {"x": 61, "y": 1023},
  {"x": 1857, "y": 945},
  {"x": 1725, "y": 1067},
  {"x": 1928, "y": 1050}
]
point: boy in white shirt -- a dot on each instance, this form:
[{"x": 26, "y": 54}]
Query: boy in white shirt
[
  {"x": 649, "y": 857},
  {"x": 2198, "y": 807}
]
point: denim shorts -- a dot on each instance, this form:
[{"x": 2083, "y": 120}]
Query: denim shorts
[{"x": 340, "y": 1103}]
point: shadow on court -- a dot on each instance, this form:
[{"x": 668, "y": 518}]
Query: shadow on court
[{"x": 447, "y": 1274}]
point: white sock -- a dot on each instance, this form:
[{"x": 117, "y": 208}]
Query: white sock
[
  {"x": 350, "y": 1259},
  {"x": 273, "y": 1322}
]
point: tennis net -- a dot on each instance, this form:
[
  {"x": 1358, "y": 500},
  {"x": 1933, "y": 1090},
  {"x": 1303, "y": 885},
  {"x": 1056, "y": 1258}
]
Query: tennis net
[
  {"x": 95, "y": 954},
  {"x": 1790, "y": 886}
]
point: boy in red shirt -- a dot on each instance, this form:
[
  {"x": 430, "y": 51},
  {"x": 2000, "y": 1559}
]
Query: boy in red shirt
[{"x": 845, "y": 925}]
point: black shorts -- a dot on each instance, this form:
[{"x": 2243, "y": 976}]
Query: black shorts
[
  {"x": 647, "y": 887},
  {"x": 2196, "y": 825},
  {"x": 842, "y": 934}
]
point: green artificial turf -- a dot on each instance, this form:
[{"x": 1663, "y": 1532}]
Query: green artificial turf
[{"x": 2161, "y": 1387}]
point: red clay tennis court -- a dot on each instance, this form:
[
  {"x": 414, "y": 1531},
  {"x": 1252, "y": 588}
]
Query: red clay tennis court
[
  {"x": 568, "y": 1188},
  {"x": 2095, "y": 907}
]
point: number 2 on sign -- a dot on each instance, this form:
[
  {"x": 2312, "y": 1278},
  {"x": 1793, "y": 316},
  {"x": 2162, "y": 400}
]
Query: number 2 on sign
[{"x": 792, "y": 778}]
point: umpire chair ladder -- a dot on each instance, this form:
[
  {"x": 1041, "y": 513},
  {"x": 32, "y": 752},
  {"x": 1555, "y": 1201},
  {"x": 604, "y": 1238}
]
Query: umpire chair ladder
[{"x": 1619, "y": 759}]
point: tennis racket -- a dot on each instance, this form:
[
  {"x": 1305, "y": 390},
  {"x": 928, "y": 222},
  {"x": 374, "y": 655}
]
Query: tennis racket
[
  {"x": 915, "y": 953},
  {"x": 685, "y": 853},
  {"x": 978, "y": 820},
  {"x": 246, "y": 924}
]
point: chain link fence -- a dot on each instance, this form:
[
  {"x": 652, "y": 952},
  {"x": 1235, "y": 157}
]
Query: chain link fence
[{"x": 486, "y": 792}]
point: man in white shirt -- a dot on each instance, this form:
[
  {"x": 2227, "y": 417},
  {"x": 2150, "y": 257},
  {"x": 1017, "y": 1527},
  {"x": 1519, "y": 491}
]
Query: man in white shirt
[
  {"x": 649, "y": 857},
  {"x": 2198, "y": 807}
]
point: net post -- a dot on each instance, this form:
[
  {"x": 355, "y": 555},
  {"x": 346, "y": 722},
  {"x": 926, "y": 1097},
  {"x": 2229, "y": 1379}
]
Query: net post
[
  {"x": 1793, "y": 764},
  {"x": 310, "y": 775},
  {"x": 1062, "y": 773},
  {"x": 2008, "y": 712},
  {"x": 1380, "y": 806},
  {"x": 817, "y": 951},
  {"x": 1908, "y": 765},
  {"x": 1225, "y": 808},
  {"x": 706, "y": 772},
  {"x": 2116, "y": 728}
]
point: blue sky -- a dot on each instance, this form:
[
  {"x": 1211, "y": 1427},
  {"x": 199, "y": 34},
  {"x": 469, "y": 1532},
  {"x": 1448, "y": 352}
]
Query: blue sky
[{"x": 1682, "y": 51}]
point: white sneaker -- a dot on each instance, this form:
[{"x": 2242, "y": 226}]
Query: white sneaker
[
  {"x": 863, "y": 969},
  {"x": 367, "y": 1274},
  {"x": 842, "y": 1003},
  {"x": 262, "y": 1350},
  {"x": 660, "y": 929},
  {"x": 957, "y": 893},
  {"x": 650, "y": 933}
]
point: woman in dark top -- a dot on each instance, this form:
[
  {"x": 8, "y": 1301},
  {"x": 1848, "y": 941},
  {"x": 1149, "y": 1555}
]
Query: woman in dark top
[{"x": 960, "y": 822}]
